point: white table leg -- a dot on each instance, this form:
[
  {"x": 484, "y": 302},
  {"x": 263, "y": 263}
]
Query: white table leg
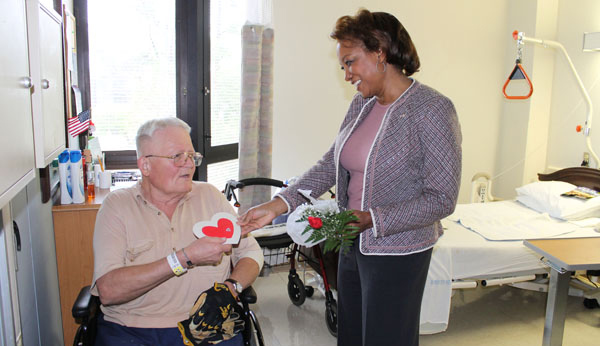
[{"x": 556, "y": 308}]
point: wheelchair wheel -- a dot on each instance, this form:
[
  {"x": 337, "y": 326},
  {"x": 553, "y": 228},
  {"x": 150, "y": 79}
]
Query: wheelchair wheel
[
  {"x": 296, "y": 289},
  {"x": 252, "y": 334},
  {"x": 331, "y": 315},
  {"x": 309, "y": 291}
]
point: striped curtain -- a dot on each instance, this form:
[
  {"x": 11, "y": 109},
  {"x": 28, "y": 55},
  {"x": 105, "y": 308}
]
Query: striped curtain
[{"x": 256, "y": 133}]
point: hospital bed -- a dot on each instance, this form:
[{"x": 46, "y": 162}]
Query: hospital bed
[{"x": 483, "y": 245}]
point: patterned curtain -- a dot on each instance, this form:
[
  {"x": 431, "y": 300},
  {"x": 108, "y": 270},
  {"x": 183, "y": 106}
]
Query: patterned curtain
[{"x": 256, "y": 133}]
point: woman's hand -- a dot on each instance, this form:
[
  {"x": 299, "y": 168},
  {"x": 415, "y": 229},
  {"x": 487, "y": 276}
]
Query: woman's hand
[
  {"x": 261, "y": 215},
  {"x": 364, "y": 220}
]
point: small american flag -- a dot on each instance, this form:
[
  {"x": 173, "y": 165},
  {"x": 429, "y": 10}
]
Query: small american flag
[{"x": 80, "y": 123}]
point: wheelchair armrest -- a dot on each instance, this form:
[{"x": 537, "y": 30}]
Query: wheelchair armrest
[
  {"x": 85, "y": 305},
  {"x": 248, "y": 295}
]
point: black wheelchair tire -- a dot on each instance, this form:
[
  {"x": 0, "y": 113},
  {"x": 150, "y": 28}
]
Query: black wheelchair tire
[
  {"x": 309, "y": 291},
  {"x": 296, "y": 290},
  {"x": 331, "y": 317}
]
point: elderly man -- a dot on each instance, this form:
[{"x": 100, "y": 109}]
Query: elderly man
[{"x": 148, "y": 265}]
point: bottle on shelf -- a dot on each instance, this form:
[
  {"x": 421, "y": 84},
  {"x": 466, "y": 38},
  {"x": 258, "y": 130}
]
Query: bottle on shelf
[{"x": 91, "y": 181}]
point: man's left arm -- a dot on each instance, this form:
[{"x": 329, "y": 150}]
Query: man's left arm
[
  {"x": 245, "y": 272},
  {"x": 247, "y": 260}
]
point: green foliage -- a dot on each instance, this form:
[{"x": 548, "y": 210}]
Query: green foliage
[{"x": 336, "y": 231}]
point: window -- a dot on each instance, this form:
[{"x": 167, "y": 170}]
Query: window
[
  {"x": 166, "y": 58},
  {"x": 132, "y": 67},
  {"x": 227, "y": 18}
]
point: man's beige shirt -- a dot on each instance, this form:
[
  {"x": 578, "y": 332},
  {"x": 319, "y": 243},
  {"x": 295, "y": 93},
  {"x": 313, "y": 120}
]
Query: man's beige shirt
[{"x": 132, "y": 231}]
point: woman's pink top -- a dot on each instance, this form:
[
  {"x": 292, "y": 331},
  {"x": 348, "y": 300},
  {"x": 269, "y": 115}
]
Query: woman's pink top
[{"x": 356, "y": 150}]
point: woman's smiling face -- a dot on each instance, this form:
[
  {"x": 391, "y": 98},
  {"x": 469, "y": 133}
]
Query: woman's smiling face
[{"x": 360, "y": 68}]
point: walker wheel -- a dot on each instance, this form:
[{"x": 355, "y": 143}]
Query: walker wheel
[
  {"x": 296, "y": 290},
  {"x": 309, "y": 291},
  {"x": 331, "y": 317},
  {"x": 590, "y": 303}
]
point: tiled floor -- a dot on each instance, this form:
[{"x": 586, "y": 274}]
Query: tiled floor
[{"x": 482, "y": 316}]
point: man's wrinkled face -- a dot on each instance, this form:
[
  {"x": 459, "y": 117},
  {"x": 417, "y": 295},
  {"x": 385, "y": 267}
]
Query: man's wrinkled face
[{"x": 162, "y": 173}]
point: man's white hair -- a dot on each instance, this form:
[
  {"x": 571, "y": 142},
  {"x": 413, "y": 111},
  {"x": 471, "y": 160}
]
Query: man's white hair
[{"x": 148, "y": 128}]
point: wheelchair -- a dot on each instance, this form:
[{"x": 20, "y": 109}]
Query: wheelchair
[{"x": 86, "y": 310}]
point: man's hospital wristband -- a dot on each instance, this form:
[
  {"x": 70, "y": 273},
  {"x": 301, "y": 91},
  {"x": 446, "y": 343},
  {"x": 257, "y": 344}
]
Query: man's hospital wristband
[{"x": 175, "y": 265}]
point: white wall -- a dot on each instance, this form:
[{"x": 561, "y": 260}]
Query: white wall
[
  {"x": 538, "y": 135},
  {"x": 462, "y": 55},
  {"x": 523, "y": 131},
  {"x": 566, "y": 147}
]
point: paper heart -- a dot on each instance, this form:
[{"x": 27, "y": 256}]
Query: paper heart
[
  {"x": 224, "y": 229},
  {"x": 221, "y": 225}
]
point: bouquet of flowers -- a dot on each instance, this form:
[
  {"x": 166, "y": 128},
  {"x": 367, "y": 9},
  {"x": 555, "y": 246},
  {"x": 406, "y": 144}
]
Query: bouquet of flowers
[{"x": 311, "y": 224}]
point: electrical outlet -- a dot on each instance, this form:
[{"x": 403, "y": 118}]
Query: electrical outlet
[{"x": 482, "y": 195}]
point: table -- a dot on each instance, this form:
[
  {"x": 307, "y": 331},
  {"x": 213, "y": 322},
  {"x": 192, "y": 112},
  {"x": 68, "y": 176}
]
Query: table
[{"x": 563, "y": 256}]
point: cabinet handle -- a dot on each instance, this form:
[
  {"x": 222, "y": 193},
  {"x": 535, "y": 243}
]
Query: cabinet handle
[
  {"x": 45, "y": 84},
  {"x": 17, "y": 235},
  {"x": 26, "y": 82}
]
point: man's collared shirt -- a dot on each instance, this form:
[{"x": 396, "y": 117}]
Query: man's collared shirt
[{"x": 131, "y": 231}]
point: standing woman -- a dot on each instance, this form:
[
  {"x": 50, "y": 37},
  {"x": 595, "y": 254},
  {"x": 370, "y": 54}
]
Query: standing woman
[{"x": 396, "y": 162}]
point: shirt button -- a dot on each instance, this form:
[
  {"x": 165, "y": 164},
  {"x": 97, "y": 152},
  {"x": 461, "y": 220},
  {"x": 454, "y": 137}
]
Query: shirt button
[
  {"x": 159, "y": 213},
  {"x": 172, "y": 229}
]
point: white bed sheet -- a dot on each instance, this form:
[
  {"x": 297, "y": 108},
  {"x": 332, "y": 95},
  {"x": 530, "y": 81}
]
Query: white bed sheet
[
  {"x": 509, "y": 220},
  {"x": 464, "y": 254}
]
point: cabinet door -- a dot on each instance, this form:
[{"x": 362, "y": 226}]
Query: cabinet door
[
  {"x": 9, "y": 304},
  {"x": 16, "y": 136},
  {"x": 24, "y": 267},
  {"x": 45, "y": 271},
  {"x": 46, "y": 60}
]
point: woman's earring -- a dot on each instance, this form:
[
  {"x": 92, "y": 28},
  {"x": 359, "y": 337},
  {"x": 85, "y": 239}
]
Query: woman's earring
[{"x": 382, "y": 63}]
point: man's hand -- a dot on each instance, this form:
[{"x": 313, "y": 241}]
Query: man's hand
[
  {"x": 215, "y": 316},
  {"x": 207, "y": 250},
  {"x": 261, "y": 215}
]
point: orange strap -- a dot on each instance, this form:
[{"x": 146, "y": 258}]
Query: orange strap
[{"x": 518, "y": 73}]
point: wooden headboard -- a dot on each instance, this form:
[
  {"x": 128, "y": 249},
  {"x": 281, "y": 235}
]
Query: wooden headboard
[{"x": 580, "y": 176}]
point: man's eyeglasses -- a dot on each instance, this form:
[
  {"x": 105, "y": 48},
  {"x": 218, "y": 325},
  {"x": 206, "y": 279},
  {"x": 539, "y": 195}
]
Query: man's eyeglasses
[{"x": 180, "y": 159}]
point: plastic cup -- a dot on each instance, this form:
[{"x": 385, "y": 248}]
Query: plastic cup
[{"x": 105, "y": 179}]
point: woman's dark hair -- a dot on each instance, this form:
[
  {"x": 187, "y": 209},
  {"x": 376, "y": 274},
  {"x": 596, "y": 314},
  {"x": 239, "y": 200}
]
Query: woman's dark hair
[{"x": 380, "y": 30}]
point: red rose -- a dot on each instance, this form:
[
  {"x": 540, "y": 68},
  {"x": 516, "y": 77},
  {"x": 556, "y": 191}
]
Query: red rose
[{"x": 315, "y": 222}]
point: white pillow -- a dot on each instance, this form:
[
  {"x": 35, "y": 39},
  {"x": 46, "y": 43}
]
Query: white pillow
[{"x": 545, "y": 197}]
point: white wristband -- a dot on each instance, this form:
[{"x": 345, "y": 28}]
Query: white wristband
[{"x": 175, "y": 265}]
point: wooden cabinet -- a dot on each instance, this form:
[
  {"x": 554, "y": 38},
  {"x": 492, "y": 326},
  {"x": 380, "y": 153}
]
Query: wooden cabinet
[
  {"x": 47, "y": 98},
  {"x": 73, "y": 236},
  {"x": 16, "y": 137}
]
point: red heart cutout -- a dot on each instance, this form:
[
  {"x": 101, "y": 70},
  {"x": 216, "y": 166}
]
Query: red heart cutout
[{"x": 224, "y": 229}]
